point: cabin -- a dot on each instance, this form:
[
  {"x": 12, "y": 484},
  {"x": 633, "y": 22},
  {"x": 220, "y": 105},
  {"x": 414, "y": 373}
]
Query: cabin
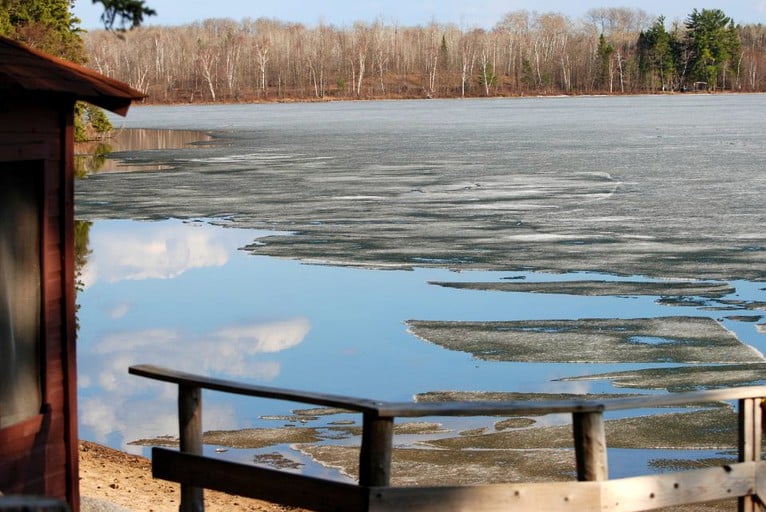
[{"x": 38, "y": 371}]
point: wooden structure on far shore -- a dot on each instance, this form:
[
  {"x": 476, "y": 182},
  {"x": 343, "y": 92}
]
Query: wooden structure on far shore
[
  {"x": 38, "y": 390},
  {"x": 593, "y": 490}
]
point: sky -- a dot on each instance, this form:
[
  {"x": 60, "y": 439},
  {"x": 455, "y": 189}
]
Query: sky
[{"x": 466, "y": 14}]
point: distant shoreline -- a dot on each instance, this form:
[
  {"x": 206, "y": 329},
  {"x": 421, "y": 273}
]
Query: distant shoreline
[{"x": 350, "y": 99}]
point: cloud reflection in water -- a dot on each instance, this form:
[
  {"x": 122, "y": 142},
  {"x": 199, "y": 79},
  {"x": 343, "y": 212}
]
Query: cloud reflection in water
[
  {"x": 161, "y": 251},
  {"x": 110, "y": 397}
]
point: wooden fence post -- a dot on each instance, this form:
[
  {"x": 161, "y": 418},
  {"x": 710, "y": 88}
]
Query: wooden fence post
[
  {"x": 190, "y": 441},
  {"x": 750, "y": 418},
  {"x": 590, "y": 446},
  {"x": 375, "y": 453}
]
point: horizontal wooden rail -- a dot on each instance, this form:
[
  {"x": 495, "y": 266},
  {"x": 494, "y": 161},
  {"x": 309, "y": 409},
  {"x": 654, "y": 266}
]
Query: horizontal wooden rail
[
  {"x": 472, "y": 408},
  {"x": 624, "y": 494},
  {"x": 238, "y": 388},
  {"x": 255, "y": 482},
  {"x": 745, "y": 480}
]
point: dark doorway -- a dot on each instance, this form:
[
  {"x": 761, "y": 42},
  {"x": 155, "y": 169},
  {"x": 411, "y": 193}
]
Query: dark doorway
[{"x": 20, "y": 291}]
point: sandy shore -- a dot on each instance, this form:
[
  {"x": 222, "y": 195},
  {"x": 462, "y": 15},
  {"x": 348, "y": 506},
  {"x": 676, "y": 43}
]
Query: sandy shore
[{"x": 113, "y": 481}]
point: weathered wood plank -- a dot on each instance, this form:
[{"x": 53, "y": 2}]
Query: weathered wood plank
[
  {"x": 256, "y": 482},
  {"x": 576, "y": 496},
  {"x": 190, "y": 441},
  {"x": 590, "y": 446},
  {"x": 595, "y": 493},
  {"x": 411, "y": 410},
  {"x": 227, "y": 386},
  {"x": 23, "y": 149},
  {"x": 20, "y": 432},
  {"x": 760, "y": 484},
  {"x": 375, "y": 453},
  {"x": 698, "y": 486},
  {"x": 622, "y": 495},
  {"x": 749, "y": 443}
]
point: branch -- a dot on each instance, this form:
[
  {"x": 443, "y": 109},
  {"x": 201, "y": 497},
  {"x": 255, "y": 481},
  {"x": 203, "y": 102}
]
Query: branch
[{"x": 129, "y": 12}]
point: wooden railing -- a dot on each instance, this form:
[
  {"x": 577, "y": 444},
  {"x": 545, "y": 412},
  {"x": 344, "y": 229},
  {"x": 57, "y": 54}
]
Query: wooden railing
[{"x": 745, "y": 480}]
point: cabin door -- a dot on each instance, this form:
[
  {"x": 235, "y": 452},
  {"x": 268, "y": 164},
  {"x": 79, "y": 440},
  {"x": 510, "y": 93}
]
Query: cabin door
[{"x": 20, "y": 291}]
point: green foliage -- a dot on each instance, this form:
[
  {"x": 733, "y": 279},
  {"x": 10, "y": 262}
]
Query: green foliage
[
  {"x": 90, "y": 122},
  {"x": 527, "y": 74},
  {"x": 605, "y": 51},
  {"x": 49, "y": 26},
  {"x": 656, "y": 60},
  {"x": 129, "y": 12},
  {"x": 713, "y": 43},
  {"x": 46, "y": 25},
  {"x": 444, "y": 52},
  {"x": 80, "y": 131},
  {"x": 341, "y": 83},
  {"x": 98, "y": 120},
  {"x": 487, "y": 76},
  {"x": 81, "y": 253},
  {"x": 701, "y": 53}
]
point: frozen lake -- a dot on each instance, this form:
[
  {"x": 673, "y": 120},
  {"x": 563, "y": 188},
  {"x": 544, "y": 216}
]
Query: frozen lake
[{"x": 313, "y": 236}]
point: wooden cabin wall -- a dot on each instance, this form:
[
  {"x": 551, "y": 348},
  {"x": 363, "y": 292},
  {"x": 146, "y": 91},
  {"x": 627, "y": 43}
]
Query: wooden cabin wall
[{"x": 39, "y": 455}]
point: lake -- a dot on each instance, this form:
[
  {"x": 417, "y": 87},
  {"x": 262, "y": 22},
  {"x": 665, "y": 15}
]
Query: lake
[{"x": 393, "y": 249}]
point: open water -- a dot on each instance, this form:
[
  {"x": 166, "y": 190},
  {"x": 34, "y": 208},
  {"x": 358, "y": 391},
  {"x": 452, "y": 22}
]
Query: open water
[{"x": 291, "y": 248}]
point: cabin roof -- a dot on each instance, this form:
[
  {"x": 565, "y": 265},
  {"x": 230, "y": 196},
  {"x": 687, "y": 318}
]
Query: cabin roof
[{"x": 26, "y": 69}]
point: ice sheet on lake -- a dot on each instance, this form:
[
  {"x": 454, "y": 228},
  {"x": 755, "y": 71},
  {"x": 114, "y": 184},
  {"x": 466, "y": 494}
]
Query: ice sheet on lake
[
  {"x": 536, "y": 454},
  {"x": 605, "y": 288},
  {"x": 659, "y": 186},
  {"x": 646, "y": 340},
  {"x": 685, "y": 378}
]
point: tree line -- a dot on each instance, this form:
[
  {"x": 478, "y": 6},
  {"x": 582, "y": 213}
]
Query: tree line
[{"x": 610, "y": 50}]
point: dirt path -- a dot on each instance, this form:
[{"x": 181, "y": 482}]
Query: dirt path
[{"x": 108, "y": 475}]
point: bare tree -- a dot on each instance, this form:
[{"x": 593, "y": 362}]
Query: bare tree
[{"x": 223, "y": 60}]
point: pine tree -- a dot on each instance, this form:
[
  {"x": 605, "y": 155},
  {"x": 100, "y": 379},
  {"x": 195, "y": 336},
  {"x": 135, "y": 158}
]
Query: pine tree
[
  {"x": 713, "y": 43},
  {"x": 487, "y": 76},
  {"x": 130, "y": 12},
  {"x": 605, "y": 51},
  {"x": 47, "y": 25},
  {"x": 655, "y": 56}
]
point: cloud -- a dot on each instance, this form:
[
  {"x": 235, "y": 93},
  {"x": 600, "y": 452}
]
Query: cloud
[
  {"x": 162, "y": 250},
  {"x": 119, "y": 311},
  {"x": 105, "y": 418},
  {"x": 114, "y": 398},
  {"x": 272, "y": 337}
]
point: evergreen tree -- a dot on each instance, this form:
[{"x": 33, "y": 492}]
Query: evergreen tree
[
  {"x": 527, "y": 74},
  {"x": 655, "y": 56},
  {"x": 444, "y": 53},
  {"x": 713, "y": 43},
  {"x": 47, "y": 25},
  {"x": 487, "y": 77},
  {"x": 605, "y": 51},
  {"x": 130, "y": 12}
]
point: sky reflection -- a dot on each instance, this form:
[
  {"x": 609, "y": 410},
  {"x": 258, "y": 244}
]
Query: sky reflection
[
  {"x": 116, "y": 334},
  {"x": 182, "y": 295},
  {"x": 159, "y": 251}
]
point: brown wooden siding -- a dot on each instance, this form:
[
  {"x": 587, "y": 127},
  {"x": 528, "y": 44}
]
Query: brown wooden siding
[{"x": 39, "y": 455}]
